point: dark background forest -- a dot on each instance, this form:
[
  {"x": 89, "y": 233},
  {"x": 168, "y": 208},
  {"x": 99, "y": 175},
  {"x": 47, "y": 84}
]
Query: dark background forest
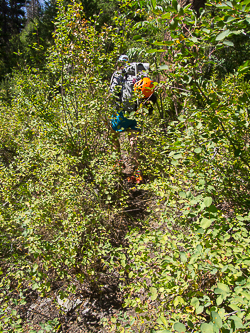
[{"x": 83, "y": 250}]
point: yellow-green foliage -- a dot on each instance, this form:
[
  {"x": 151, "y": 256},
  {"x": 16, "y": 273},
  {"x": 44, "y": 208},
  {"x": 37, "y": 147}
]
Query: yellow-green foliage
[{"x": 62, "y": 193}]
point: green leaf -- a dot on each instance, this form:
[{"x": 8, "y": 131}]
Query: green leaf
[
  {"x": 154, "y": 293},
  {"x": 199, "y": 309},
  {"x": 219, "y": 300},
  {"x": 123, "y": 263},
  {"x": 223, "y": 35},
  {"x": 216, "y": 319},
  {"x": 223, "y": 287},
  {"x": 35, "y": 286},
  {"x": 163, "y": 67},
  {"x": 230, "y": 19},
  {"x": 248, "y": 19},
  {"x": 195, "y": 302},
  {"x": 236, "y": 32},
  {"x": 197, "y": 150},
  {"x": 216, "y": 329},
  {"x": 205, "y": 223},
  {"x": 182, "y": 194},
  {"x": 163, "y": 321},
  {"x": 222, "y": 5},
  {"x": 183, "y": 257},
  {"x": 229, "y": 3},
  {"x": 153, "y": 3},
  {"x": 206, "y": 30},
  {"x": 179, "y": 327},
  {"x": 228, "y": 43},
  {"x": 234, "y": 307},
  {"x": 244, "y": 67},
  {"x": 151, "y": 51},
  {"x": 155, "y": 50},
  {"x": 237, "y": 322},
  {"x": 173, "y": 24},
  {"x": 174, "y": 4},
  {"x": 35, "y": 267},
  {"x": 212, "y": 209},
  {"x": 208, "y": 201},
  {"x": 177, "y": 156},
  {"x": 194, "y": 39},
  {"x": 166, "y": 16},
  {"x": 220, "y": 292},
  {"x": 206, "y": 328},
  {"x": 178, "y": 300},
  {"x": 136, "y": 37},
  {"x": 246, "y": 295},
  {"x": 164, "y": 43}
]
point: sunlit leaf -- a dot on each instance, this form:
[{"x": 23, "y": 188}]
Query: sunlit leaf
[
  {"x": 237, "y": 322},
  {"x": 163, "y": 67},
  {"x": 183, "y": 257},
  {"x": 223, "y": 35},
  {"x": 228, "y": 43},
  {"x": 223, "y": 287},
  {"x": 206, "y": 328},
  {"x": 244, "y": 67},
  {"x": 179, "y": 327},
  {"x": 208, "y": 201},
  {"x": 216, "y": 319},
  {"x": 197, "y": 150},
  {"x": 195, "y": 302},
  {"x": 154, "y": 293},
  {"x": 205, "y": 223},
  {"x": 166, "y": 16}
]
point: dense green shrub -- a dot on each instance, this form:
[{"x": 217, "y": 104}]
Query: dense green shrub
[{"x": 62, "y": 192}]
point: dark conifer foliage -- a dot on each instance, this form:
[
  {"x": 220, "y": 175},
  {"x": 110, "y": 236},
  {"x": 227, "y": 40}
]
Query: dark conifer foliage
[
  {"x": 26, "y": 28},
  {"x": 11, "y": 23},
  {"x": 11, "y": 18},
  {"x": 36, "y": 37}
]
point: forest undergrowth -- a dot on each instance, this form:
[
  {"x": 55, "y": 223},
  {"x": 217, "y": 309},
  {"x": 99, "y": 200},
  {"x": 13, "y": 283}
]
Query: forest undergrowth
[{"x": 81, "y": 250}]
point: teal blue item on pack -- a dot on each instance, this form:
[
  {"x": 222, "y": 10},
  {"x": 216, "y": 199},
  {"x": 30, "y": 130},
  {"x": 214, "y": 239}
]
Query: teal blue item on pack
[{"x": 119, "y": 123}]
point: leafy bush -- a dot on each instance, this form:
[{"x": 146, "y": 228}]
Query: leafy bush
[{"x": 62, "y": 193}]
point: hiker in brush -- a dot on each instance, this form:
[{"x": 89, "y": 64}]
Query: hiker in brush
[{"x": 126, "y": 80}]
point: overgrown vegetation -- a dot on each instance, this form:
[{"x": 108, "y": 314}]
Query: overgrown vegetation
[{"x": 68, "y": 221}]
